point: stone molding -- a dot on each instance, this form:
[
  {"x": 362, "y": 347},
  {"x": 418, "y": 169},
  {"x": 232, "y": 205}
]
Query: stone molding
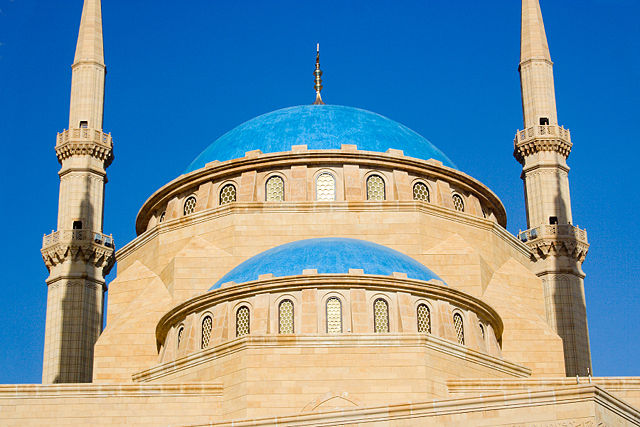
[
  {"x": 86, "y": 245},
  {"x": 556, "y": 240},
  {"x": 393, "y": 161},
  {"x": 491, "y": 385},
  {"x": 323, "y": 341},
  {"x": 420, "y": 412},
  {"x": 541, "y": 138},
  {"x": 85, "y": 142},
  {"x": 62, "y": 391},
  {"x": 306, "y": 207}
]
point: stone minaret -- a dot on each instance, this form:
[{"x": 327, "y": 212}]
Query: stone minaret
[
  {"x": 542, "y": 148},
  {"x": 78, "y": 255}
]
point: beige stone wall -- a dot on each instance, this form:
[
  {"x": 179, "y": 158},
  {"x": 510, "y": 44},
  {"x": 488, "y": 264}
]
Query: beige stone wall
[
  {"x": 90, "y": 405},
  {"x": 197, "y": 405},
  {"x": 182, "y": 258},
  {"x": 625, "y": 388},
  {"x": 266, "y": 375},
  {"x": 73, "y": 325}
]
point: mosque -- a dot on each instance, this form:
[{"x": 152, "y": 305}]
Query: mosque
[{"x": 319, "y": 265}]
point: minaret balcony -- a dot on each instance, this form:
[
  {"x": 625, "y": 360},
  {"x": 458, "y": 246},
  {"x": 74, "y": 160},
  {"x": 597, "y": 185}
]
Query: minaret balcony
[
  {"x": 557, "y": 240},
  {"x": 85, "y": 142},
  {"x": 542, "y": 138},
  {"x": 82, "y": 245}
]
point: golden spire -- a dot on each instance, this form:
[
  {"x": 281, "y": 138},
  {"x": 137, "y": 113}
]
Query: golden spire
[{"x": 318, "y": 74}]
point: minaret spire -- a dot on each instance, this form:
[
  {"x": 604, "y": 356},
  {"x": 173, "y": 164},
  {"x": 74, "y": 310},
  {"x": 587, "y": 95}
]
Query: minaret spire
[
  {"x": 78, "y": 255},
  {"x": 318, "y": 74},
  {"x": 536, "y": 69},
  {"x": 533, "y": 40},
  {"x": 89, "y": 70},
  {"x": 542, "y": 147},
  {"x": 90, "y": 47}
]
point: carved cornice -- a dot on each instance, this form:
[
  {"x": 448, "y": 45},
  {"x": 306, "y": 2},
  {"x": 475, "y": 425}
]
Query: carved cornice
[
  {"x": 85, "y": 142},
  {"x": 556, "y": 240},
  {"x": 79, "y": 245},
  {"x": 542, "y": 138}
]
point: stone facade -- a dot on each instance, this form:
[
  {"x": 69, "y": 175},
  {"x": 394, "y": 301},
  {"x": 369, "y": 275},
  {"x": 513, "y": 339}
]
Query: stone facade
[{"x": 488, "y": 338}]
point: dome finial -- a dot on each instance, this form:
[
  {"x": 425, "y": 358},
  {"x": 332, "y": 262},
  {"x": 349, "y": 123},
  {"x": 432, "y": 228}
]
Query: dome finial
[{"x": 318, "y": 74}]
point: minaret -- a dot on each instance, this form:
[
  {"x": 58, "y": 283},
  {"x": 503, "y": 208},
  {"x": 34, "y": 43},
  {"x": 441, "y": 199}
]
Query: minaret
[
  {"x": 78, "y": 255},
  {"x": 542, "y": 148}
]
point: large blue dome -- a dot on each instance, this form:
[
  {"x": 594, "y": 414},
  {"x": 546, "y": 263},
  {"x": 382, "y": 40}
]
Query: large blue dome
[
  {"x": 319, "y": 127},
  {"x": 329, "y": 256}
]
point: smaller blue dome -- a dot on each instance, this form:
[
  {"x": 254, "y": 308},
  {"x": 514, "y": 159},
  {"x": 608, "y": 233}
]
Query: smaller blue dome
[{"x": 328, "y": 256}]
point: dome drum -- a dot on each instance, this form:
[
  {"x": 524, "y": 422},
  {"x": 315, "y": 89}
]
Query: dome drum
[
  {"x": 307, "y": 296},
  {"x": 299, "y": 170}
]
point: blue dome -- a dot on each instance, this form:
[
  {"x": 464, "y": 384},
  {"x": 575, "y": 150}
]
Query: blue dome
[
  {"x": 320, "y": 127},
  {"x": 327, "y": 255}
]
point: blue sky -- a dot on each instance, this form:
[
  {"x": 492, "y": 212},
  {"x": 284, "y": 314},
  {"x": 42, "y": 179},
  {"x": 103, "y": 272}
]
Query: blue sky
[{"x": 180, "y": 74}]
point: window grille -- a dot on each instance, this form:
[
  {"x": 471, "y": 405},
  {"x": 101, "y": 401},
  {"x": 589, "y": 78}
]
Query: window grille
[
  {"x": 424, "y": 319},
  {"x": 334, "y": 316},
  {"x": 275, "y": 189},
  {"x": 421, "y": 192},
  {"x": 325, "y": 187},
  {"x": 242, "y": 321},
  {"x": 375, "y": 188},
  {"x": 206, "y": 331},
  {"x": 180, "y": 332},
  {"x": 190, "y": 205},
  {"x": 380, "y": 316},
  {"x": 457, "y": 323},
  {"x": 285, "y": 316},
  {"x": 228, "y": 194},
  {"x": 458, "y": 203}
]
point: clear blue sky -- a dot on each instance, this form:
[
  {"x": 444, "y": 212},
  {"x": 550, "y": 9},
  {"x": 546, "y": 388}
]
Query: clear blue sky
[{"x": 180, "y": 74}]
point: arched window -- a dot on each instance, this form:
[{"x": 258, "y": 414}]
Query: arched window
[
  {"x": 189, "y": 205},
  {"x": 424, "y": 319},
  {"x": 334, "y": 316},
  {"x": 325, "y": 187},
  {"x": 459, "y": 326},
  {"x": 180, "y": 333},
  {"x": 458, "y": 203},
  {"x": 207, "y": 323},
  {"x": 274, "y": 189},
  {"x": 380, "y": 316},
  {"x": 481, "y": 330},
  {"x": 375, "y": 188},
  {"x": 228, "y": 194},
  {"x": 242, "y": 321},
  {"x": 285, "y": 317},
  {"x": 421, "y": 192},
  {"x": 162, "y": 215}
]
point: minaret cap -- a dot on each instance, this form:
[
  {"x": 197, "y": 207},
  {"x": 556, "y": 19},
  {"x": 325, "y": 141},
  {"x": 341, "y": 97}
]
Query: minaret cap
[
  {"x": 318, "y": 74},
  {"x": 533, "y": 43},
  {"x": 90, "y": 45}
]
